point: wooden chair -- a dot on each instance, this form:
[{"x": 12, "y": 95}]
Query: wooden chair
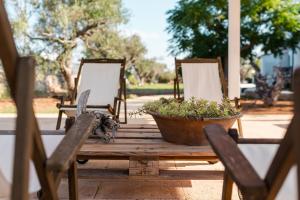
[
  {"x": 28, "y": 146},
  {"x": 105, "y": 79},
  {"x": 261, "y": 168},
  {"x": 203, "y": 79}
]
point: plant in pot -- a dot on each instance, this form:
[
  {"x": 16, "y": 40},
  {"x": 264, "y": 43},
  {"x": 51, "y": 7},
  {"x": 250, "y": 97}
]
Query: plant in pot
[{"x": 182, "y": 122}]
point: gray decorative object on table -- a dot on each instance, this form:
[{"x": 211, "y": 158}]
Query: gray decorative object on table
[
  {"x": 82, "y": 102},
  {"x": 103, "y": 121}
]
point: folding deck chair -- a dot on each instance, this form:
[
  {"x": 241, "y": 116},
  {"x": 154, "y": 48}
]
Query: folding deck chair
[
  {"x": 203, "y": 79},
  {"x": 18, "y": 176},
  {"x": 261, "y": 168},
  {"x": 105, "y": 79}
]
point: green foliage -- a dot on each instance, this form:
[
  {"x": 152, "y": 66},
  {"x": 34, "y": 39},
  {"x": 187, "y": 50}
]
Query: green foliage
[
  {"x": 200, "y": 28},
  {"x": 148, "y": 70},
  {"x": 57, "y": 31},
  {"x": 132, "y": 80},
  {"x": 166, "y": 77},
  {"x": 191, "y": 109},
  {"x": 60, "y": 31}
]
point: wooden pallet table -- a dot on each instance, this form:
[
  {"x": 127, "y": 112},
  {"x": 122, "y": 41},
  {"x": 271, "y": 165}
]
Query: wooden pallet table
[{"x": 144, "y": 147}]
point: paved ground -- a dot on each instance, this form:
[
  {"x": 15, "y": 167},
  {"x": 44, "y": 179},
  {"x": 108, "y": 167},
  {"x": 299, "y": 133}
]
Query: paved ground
[{"x": 207, "y": 189}]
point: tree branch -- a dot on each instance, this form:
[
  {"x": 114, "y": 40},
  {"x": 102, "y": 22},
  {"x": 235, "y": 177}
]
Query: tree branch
[{"x": 85, "y": 30}]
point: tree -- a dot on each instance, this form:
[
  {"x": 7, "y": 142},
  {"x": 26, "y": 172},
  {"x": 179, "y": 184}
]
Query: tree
[
  {"x": 148, "y": 70},
  {"x": 59, "y": 28},
  {"x": 113, "y": 45},
  {"x": 199, "y": 28}
]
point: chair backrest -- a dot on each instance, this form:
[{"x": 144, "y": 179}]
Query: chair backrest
[
  {"x": 103, "y": 77},
  {"x": 19, "y": 72},
  {"x": 5, "y": 186},
  {"x": 202, "y": 78},
  {"x": 288, "y": 153}
]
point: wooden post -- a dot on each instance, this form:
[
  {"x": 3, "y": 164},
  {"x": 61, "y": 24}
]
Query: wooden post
[
  {"x": 227, "y": 187},
  {"x": 234, "y": 48},
  {"x": 24, "y": 129},
  {"x": 143, "y": 166},
  {"x": 72, "y": 181}
]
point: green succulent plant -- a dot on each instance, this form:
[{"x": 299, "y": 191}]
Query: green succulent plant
[{"x": 191, "y": 109}]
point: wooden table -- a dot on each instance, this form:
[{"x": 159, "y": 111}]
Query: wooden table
[{"x": 144, "y": 147}]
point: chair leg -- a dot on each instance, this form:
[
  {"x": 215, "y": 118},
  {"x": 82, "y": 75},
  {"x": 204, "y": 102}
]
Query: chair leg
[
  {"x": 58, "y": 123},
  {"x": 69, "y": 122},
  {"x": 239, "y": 123},
  {"x": 125, "y": 112},
  {"x": 72, "y": 181},
  {"x": 227, "y": 187}
]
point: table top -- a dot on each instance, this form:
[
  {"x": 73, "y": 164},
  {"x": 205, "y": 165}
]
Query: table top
[{"x": 141, "y": 141}]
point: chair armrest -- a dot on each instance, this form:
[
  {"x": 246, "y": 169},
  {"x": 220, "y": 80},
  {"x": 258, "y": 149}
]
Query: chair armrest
[
  {"x": 236, "y": 164},
  {"x": 88, "y": 106},
  {"x": 62, "y": 99},
  {"x": 119, "y": 99},
  {"x": 259, "y": 141},
  {"x": 66, "y": 151}
]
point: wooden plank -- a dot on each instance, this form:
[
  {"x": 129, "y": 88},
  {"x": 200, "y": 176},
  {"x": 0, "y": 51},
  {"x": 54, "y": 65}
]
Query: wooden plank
[
  {"x": 44, "y": 132},
  {"x": 144, "y": 166},
  {"x": 138, "y": 126},
  {"x": 99, "y": 150},
  {"x": 109, "y": 174},
  {"x": 161, "y": 158},
  {"x": 237, "y": 166},
  {"x": 118, "y": 141},
  {"x": 24, "y": 129},
  {"x": 66, "y": 151},
  {"x": 141, "y": 131},
  {"x": 137, "y": 135}
]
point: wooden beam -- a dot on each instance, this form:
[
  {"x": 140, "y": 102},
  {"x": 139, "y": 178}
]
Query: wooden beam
[
  {"x": 24, "y": 129},
  {"x": 8, "y": 51},
  {"x": 296, "y": 136}
]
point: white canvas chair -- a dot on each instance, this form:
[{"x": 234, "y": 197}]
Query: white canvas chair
[
  {"x": 105, "y": 80},
  {"x": 51, "y": 140},
  {"x": 7, "y": 145},
  {"x": 26, "y": 144},
  {"x": 202, "y": 79},
  {"x": 261, "y": 168}
]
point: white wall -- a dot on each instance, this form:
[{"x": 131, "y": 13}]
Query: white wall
[{"x": 297, "y": 60}]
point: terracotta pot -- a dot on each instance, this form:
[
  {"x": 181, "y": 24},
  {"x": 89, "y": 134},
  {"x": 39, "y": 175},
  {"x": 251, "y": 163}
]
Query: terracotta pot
[{"x": 188, "y": 131}]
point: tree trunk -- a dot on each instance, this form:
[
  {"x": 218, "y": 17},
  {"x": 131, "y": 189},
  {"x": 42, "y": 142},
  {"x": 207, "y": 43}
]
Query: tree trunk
[{"x": 64, "y": 61}]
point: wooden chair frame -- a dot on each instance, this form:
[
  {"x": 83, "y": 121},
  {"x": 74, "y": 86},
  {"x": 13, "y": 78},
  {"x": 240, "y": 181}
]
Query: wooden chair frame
[
  {"x": 19, "y": 72},
  {"x": 113, "y": 109},
  {"x": 178, "y": 79},
  {"x": 239, "y": 170}
]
